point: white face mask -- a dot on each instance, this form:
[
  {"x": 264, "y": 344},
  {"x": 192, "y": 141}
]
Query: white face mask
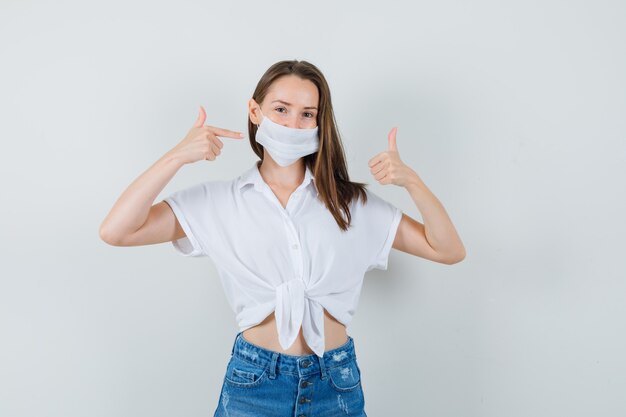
[{"x": 285, "y": 144}]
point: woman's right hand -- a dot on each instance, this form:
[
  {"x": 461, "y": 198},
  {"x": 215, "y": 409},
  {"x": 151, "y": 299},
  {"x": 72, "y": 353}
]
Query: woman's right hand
[{"x": 201, "y": 142}]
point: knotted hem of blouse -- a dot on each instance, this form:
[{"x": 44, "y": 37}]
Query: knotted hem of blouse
[{"x": 295, "y": 309}]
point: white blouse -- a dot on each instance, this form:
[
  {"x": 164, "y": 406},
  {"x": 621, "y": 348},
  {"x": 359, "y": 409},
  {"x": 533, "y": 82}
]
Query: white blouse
[{"x": 294, "y": 260}]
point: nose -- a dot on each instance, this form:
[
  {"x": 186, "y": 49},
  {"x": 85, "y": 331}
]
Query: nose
[
  {"x": 298, "y": 123},
  {"x": 292, "y": 122}
]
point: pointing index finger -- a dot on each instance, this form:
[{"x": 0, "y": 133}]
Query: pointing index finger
[{"x": 226, "y": 133}]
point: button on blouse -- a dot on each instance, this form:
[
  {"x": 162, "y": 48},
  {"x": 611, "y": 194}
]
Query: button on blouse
[{"x": 295, "y": 260}]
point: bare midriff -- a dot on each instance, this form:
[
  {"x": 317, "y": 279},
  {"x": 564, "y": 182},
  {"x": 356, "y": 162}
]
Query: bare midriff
[{"x": 265, "y": 335}]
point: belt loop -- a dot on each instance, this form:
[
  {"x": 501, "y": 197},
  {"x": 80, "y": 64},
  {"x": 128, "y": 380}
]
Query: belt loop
[
  {"x": 234, "y": 343},
  {"x": 322, "y": 367},
  {"x": 273, "y": 365}
]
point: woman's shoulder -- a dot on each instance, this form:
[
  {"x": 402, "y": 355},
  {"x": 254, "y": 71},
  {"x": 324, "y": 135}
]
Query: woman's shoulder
[
  {"x": 367, "y": 200},
  {"x": 375, "y": 208},
  {"x": 203, "y": 190}
]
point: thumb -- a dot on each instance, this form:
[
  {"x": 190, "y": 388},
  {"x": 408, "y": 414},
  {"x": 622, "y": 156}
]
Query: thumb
[
  {"x": 392, "y": 139},
  {"x": 201, "y": 118}
]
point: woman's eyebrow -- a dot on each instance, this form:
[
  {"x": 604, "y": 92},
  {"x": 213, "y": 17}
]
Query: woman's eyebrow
[{"x": 289, "y": 104}]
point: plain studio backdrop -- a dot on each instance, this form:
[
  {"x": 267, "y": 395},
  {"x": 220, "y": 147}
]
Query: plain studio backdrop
[{"x": 513, "y": 114}]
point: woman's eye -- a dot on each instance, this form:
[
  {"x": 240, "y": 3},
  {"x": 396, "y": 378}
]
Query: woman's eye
[{"x": 311, "y": 115}]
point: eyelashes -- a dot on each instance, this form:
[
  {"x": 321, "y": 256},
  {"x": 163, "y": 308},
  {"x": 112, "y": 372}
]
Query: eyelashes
[{"x": 309, "y": 117}]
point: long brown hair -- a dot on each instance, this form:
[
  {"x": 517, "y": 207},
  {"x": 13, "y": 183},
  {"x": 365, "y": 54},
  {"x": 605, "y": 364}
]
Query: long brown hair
[{"x": 328, "y": 164}]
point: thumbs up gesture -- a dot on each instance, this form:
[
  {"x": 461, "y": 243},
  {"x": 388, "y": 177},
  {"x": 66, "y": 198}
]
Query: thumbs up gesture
[{"x": 388, "y": 168}]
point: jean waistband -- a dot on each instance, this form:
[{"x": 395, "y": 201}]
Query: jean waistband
[{"x": 299, "y": 365}]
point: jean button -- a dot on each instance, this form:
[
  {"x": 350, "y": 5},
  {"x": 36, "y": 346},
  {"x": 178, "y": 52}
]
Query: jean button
[{"x": 306, "y": 363}]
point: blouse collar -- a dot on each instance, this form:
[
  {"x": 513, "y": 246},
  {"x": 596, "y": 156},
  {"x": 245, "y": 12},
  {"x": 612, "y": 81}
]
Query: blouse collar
[{"x": 253, "y": 176}]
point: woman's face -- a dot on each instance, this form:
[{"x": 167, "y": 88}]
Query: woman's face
[{"x": 290, "y": 101}]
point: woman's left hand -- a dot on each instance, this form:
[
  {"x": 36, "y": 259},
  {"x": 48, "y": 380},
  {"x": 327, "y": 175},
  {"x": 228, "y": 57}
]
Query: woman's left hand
[{"x": 388, "y": 168}]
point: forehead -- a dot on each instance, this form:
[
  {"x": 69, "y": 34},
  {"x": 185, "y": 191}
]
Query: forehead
[{"x": 295, "y": 90}]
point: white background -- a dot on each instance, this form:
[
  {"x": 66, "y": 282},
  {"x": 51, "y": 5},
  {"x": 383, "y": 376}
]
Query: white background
[{"x": 513, "y": 113}]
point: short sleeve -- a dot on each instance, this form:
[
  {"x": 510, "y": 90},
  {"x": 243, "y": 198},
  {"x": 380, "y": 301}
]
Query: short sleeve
[
  {"x": 383, "y": 221},
  {"x": 191, "y": 208}
]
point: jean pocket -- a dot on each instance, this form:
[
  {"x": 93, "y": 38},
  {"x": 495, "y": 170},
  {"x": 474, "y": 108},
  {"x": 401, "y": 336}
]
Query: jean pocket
[
  {"x": 243, "y": 374},
  {"x": 346, "y": 377}
]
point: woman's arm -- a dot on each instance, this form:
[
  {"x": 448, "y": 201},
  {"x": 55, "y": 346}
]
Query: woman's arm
[
  {"x": 133, "y": 220},
  {"x": 436, "y": 239},
  {"x": 132, "y": 210}
]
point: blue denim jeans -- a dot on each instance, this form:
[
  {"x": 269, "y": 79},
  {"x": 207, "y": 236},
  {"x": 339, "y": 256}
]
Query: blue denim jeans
[{"x": 261, "y": 382}]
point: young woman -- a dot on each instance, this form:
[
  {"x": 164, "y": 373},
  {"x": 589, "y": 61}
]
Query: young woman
[{"x": 291, "y": 238}]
